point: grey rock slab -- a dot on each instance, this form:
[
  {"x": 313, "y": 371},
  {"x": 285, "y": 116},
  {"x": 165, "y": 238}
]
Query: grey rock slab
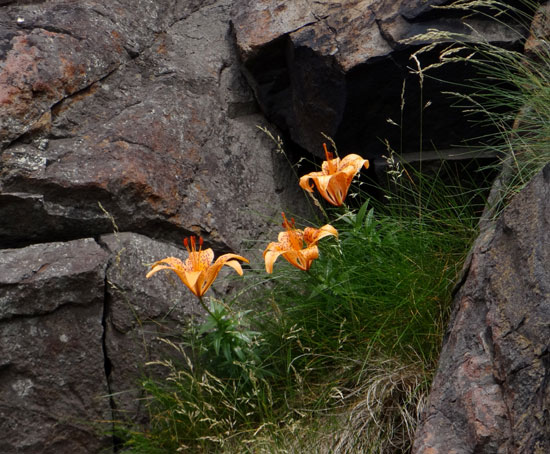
[
  {"x": 55, "y": 49},
  {"x": 53, "y": 388},
  {"x": 40, "y": 278},
  {"x": 491, "y": 392}
]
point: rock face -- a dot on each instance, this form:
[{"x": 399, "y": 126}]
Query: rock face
[
  {"x": 51, "y": 371},
  {"x": 130, "y": 117},
  {"x": 139, "y": 107},
  {"x": 491, "y": 393}
]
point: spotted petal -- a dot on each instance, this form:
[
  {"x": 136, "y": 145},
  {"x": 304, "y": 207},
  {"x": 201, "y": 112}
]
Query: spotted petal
[
  {"x": 170, "y": 263},
  {"x": 312, "y": 235},
  {"x": 355, "y": 161},
  {"x": 271, "y": 253},
  {"x": 199, "y": 260},
  {"x": 330, "y": 166},
  {"x": 302, "y": 259},
  {"x": 305, "y": 182},
  {"x": 291, "y": 239},
  {"x": 337, "y": 188},
  {"x": 212, "y": 272}
]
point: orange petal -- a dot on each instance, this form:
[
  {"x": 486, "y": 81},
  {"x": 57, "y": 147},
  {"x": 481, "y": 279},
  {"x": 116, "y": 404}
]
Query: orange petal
[
  {"x": 212, "y": 272},
  {"x": 310, "y": 254},
  {"x": 330, "y": 166},
  {"x": 270, "y": 255},
  {"x": 290, "y": 239},
  {"x": 193, "y": 279},
  {"x": 171, "y": 263},
  {"x": 283, "y": 241},
  {"x": 236, "y": 266},
  {"x": 223, "y": 259},
  {"x": 199, "y": 260},
  {"x": 206, "y": 256},
  {"x": 323, "y": 186},
  {"x": 305, "y": 180},
  {"x": 295, "y": 258},
  {"x": 322, "y": 182},
  {"x": 333, "y": 188},
  {"x": 339, "y": 185},
  {"x": 189, "y": 278},
  {"x": 157, "y": 268},
  {"x": 302, "y": 259},
  {"x": 312, "y": 235},
  {"x": 354, "y": 161}
]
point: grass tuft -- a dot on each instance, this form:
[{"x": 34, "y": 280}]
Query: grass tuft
[{"x": 349, "y": 345}]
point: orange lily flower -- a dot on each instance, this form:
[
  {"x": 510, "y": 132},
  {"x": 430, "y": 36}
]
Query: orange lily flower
[
  {"x": 297, "y": 246},
  {"x": 198, "y": 272},
  {"x": 334, "y": 179}
]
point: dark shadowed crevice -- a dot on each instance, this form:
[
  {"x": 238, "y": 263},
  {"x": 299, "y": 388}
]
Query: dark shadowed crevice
[
  {"x": 107, "y": 364},
  {"x": 386, "y": 100}
]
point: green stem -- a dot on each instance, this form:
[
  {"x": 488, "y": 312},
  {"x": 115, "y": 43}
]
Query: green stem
[{"x": 205, "y": 307}]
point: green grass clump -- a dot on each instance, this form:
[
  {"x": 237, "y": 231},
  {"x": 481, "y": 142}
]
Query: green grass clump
[
  {"x": 384, "y": 284},
  {"x": 308, "y": 355}
]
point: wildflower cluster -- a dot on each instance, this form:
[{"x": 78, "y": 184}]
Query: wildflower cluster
[
  {"x": 297, "y": 246},
  {"x": 378, "y": 288}
]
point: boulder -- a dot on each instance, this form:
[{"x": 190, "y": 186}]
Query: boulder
[
  {"x": 491, "y": 392},
  {"x": 160, "y": 132},
  {"x": 52, "y": 375}
]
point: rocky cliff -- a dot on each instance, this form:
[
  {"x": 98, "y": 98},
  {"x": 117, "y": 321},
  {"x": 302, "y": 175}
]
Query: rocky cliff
[{"x": 126, "y": 125}]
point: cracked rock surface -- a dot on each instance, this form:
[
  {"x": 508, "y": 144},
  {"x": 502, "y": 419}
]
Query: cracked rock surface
[
  {"x": 159, "y": 127},
  {"x": 491, "y": 393},
  {"x": 51, "y": 370},
  {"x": 125, "y": 126}
]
